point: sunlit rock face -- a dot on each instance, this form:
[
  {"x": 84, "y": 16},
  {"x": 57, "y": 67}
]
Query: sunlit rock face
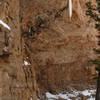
[
  {"x": 62, "y": 46},
  {"x": 45, "y": 49}
]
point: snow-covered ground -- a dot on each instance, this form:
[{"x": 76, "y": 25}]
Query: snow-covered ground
[{"x": 73, "y": 94}]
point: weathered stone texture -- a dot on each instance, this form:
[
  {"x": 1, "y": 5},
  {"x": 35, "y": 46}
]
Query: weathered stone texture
[
  {"x": 57, "y": 47},
  {"x": 61, "y": 47}
]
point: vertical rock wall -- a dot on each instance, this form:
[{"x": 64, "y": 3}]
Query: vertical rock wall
[
  {"x": 60, "y": 47},
  {"x": 14, "y": 82}
]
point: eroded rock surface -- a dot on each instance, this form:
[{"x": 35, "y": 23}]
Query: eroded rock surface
[
  {"x": 13, "y": 77},
  {"x": 55, "y": 48},
  {"x": 61, "y": 47}
]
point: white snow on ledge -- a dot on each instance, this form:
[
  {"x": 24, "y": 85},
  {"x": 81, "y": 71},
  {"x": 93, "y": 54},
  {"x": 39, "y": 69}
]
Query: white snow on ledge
[
  {"x": 26, "y": 63},
  {"x": 68, "y": 96},
  {"x": 5, "y": 25}
]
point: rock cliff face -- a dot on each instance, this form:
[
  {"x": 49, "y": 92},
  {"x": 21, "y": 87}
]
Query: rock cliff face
[
  {"x": 13, "y": 79},
  {"x": 45, "y": 50}
]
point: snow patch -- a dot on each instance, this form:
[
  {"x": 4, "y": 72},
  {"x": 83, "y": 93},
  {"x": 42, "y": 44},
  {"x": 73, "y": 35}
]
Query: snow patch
[
  {"x": 91, "y": 98},
  {"x": 5, "y": 25},
  {"x": 51, "y": 96},
  {"x": 31, "y": 98},
  {"x": 73, "y": 94},
  {"x": 26, "y": 63},
  {"x": 86, "y": 93}
]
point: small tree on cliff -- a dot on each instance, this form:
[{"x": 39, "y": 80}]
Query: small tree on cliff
[{"x": 94, "y": 13}]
